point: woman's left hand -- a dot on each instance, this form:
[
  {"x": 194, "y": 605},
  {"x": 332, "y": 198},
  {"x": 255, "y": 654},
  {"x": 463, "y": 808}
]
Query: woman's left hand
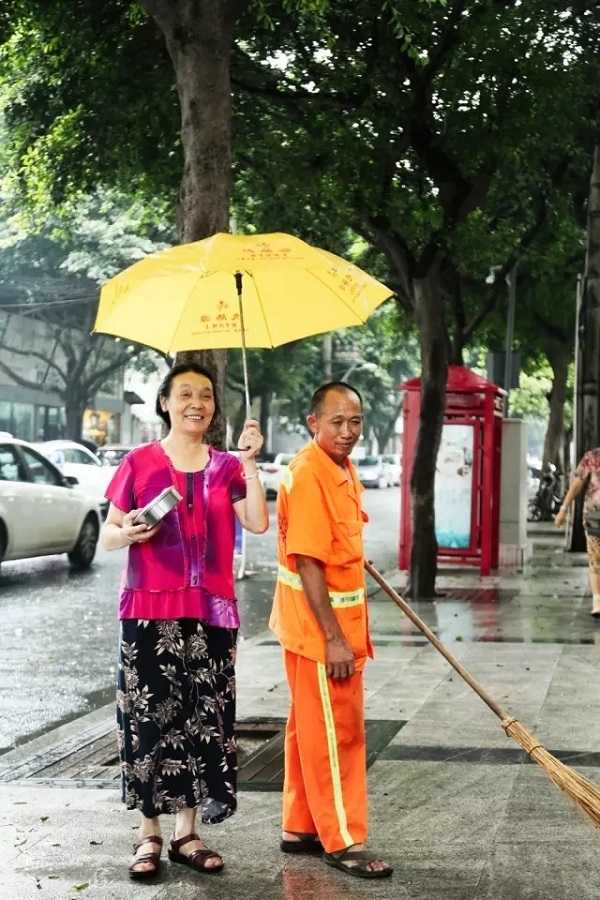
[{"x": 251, "y": 440}]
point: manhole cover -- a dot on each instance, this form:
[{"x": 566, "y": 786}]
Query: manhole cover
[{"x": 90, "y": 758}]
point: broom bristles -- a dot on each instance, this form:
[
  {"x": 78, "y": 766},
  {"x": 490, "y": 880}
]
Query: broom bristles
[{"x": 584, "y": 793}]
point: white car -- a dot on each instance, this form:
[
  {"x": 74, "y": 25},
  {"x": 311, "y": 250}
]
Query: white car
[
  {"x": 77, "y": 461},
  {"x": 374, "y": 471},
  {"x": 41, "y": 510},
  {"x": 272, "y": 472}
]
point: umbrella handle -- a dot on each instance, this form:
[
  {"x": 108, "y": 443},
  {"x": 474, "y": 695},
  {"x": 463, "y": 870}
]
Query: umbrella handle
[{"x": 238, "y": 284}]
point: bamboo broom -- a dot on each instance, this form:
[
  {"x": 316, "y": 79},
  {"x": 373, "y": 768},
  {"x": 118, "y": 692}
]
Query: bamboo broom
[{"x": 584, "y": 793}]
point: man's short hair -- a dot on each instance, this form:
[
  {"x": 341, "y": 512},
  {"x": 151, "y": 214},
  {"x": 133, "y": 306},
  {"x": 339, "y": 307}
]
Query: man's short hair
[{"x": 319, "y": 395}]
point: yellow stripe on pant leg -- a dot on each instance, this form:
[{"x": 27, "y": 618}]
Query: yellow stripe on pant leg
[{"x": 334, "y": 765}]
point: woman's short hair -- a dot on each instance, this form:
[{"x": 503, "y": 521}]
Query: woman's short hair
[{"x": 167, "y": 383}]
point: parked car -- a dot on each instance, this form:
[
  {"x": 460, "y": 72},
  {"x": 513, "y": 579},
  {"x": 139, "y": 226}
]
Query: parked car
[
  {"x": 112, "y": 454},
  {"x": 43, "y": 511},
  {"x": 77, "y": 461},
  {"x": 374, "y": 471},
  {"x": 271, "y": 472},
  {"x": 393, "y": 460}
]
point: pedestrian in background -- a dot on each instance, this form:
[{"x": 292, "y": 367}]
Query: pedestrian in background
[
  {"x": 320, "y": 618},
  {"x": 179, "y": 621},
  {"x": 587, "y": 476}
]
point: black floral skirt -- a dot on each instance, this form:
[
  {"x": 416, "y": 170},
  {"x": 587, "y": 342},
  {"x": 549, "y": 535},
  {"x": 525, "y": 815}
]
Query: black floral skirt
[{"x": 176, "y": 717}]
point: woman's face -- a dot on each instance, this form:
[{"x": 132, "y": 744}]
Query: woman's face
[{"x": 190, "y": 404}]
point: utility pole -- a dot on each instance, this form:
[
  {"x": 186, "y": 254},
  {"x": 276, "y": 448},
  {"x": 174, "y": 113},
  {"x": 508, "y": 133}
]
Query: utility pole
[
  {"x": 587, "y": 357},
  {"x": 510, "y": 337},
  {"x": 326, "y": 356}
]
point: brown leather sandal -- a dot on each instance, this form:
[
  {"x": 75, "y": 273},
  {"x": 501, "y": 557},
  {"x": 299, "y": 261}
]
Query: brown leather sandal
[
  {"x": 154, "y": 858},
  {"x": 197, "y": 858}
]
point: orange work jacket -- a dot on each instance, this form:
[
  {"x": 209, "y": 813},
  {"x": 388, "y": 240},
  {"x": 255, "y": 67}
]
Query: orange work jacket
[{"x": 319, "y": 514}]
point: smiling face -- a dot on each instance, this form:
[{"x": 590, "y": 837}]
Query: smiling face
[
  {"x": 337, "y": 424},
  {"x": 190, "y": 404}
]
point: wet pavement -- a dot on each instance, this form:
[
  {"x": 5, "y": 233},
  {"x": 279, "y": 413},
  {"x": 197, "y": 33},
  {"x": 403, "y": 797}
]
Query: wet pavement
[
  {"x": 59, "y": 634},
  {"x": 454, "y": 804}
]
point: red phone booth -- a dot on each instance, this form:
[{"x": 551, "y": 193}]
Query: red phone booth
[{"x": 467, "y": 483}]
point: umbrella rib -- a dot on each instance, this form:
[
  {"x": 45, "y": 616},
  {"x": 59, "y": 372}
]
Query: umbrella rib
[
  {"x": 260, "y": 303},
  {"x": 183, "y": 308},
  {"x": 342, "y": 299}
]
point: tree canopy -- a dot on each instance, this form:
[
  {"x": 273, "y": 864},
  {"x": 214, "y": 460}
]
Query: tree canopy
[{"x": 447, "y": 136}]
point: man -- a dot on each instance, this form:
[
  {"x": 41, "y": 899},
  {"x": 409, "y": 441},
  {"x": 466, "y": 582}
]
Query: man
[{"x": 320, "y": 618}]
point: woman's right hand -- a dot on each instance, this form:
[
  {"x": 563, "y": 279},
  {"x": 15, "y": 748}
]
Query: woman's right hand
[
  {"x": 560, "y": 517},
  {"x": 137, "y": 534}
]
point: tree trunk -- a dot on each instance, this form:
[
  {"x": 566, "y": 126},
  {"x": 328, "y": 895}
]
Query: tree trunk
[
  {"x": 587, "y": 398},
  {"x": 199, "y": 38},
  {"x": 559, "y": 357},
  {"x": 385, "y": 433},
  {"x": 74, "y": 410},
  {"x": 434, "y": 372}
]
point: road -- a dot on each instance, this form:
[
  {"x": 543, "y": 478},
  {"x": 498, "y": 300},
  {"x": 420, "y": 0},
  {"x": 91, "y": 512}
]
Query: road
[{"x": 58, "y": 641}]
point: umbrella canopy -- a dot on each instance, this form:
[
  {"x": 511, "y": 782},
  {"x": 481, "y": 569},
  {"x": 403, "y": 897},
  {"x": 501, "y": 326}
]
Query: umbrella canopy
[{"x": 186, "y": 297}]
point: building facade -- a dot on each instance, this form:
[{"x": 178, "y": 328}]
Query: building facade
[{"x": 28, "y": 348}]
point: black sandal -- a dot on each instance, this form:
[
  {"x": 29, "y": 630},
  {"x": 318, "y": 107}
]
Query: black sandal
[
  {"x": 307, "y": 843},
  {"x": 154, "y": 858},
  {"x": 360, "y": 870},
  {"x": 197, "y": 858}
]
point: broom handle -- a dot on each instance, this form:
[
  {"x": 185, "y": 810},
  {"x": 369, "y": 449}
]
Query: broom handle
[{"x": 408, "y": 611}]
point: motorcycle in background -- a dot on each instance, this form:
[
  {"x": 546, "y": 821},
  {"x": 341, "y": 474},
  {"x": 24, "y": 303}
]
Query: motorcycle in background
[{"x": 546, "y": 503}]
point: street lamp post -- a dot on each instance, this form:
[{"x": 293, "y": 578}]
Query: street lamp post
[
  {"x": 510, "y": 335},
  {"x": 358, "y": 365},
  {"x": 511, "y": 280}
]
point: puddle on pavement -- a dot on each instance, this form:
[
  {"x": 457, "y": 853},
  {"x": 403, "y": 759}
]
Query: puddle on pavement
[{"x": 91, "y": 702}]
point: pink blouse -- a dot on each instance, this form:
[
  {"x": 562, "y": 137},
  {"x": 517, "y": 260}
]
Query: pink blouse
[{"x": 186, "y": 570}]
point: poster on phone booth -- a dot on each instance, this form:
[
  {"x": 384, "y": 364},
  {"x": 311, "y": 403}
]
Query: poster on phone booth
[{"x": 454, "y": 487}]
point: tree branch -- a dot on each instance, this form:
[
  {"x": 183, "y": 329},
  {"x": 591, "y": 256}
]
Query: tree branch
[
  {"x": 448, "y": 40},
  {"x": 93, "y": 382},
  {"x": 399, "y": 255},
  {"x": 36, "y": 354},
  {"x": 525, "y": 241},
  {"x": 552, "y": 331},
  {"x": 23, "y": 382}
]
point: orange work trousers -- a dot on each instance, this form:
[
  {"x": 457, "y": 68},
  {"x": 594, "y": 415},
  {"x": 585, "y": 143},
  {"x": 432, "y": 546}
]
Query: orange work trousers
[{"x": 325, "y": 784}]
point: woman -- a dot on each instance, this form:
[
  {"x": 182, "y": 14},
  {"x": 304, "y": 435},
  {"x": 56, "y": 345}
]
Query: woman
[
  {"x": 179, "y": 621},
  {"x": 587, "y": 474}
]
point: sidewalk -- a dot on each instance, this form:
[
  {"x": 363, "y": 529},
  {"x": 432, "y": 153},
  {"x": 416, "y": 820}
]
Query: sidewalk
[{"x": 454, "y": 803}]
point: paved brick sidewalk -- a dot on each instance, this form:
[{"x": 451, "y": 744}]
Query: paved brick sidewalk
[{"x": 454, "y": 803}]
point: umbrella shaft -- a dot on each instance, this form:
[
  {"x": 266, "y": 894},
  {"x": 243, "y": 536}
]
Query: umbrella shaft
[{"x": 238, "y": 284}]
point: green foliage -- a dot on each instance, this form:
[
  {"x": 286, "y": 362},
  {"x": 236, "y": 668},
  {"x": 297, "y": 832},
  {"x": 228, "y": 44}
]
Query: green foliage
[{"x": 80, "y": 110}]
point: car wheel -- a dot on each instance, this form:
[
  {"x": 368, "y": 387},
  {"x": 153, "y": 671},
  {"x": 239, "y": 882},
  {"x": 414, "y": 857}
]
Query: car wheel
[
  {"x": 3, "y": 540},
  {"x": 82, "y": 554}
]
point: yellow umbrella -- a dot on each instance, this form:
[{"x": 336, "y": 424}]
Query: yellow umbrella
[{"x": 189, "y": 297}]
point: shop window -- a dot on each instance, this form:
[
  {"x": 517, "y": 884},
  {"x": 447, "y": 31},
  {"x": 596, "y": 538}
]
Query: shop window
[{"x": 22, "y": 417}]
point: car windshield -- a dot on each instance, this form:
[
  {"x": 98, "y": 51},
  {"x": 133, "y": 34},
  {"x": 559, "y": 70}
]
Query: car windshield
[
  {"x": 368, "y": 461},
  {"x": 115, "y": 454}
]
